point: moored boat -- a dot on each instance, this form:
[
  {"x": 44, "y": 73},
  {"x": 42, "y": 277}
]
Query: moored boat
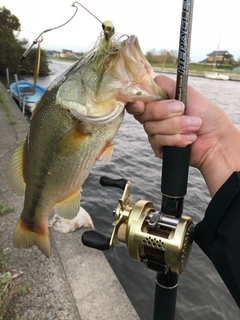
[
  {"x": 26, "y": 94},
  {"x": 216, "y": 76}
]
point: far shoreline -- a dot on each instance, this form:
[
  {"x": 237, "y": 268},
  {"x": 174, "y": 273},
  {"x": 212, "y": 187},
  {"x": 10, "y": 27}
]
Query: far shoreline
[{"x": 196, "y": 73}]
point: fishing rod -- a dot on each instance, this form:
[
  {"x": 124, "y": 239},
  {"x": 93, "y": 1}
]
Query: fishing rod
[
  {"x": 162, "y": 239},
  {"x": 175, "y": 171}
]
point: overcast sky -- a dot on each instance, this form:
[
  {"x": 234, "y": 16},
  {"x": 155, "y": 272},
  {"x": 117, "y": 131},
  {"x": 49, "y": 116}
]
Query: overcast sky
[{"x": 155, "y": 22}]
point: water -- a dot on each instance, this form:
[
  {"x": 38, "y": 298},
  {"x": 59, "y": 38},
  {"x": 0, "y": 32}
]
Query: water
[{"x": 201, "y": 294}]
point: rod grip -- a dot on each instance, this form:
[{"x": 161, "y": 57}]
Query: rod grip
[
  {"x": 165, "y": 296},
  {"x": 175, "y": 171}
]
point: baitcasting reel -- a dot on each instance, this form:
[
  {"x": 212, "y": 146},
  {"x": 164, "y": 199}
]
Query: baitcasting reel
[{"x": 160, "y": 241}]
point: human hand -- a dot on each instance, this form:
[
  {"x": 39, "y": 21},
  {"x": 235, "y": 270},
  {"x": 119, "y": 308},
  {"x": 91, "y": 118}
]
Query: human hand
[{"x": 205, "y": 126}]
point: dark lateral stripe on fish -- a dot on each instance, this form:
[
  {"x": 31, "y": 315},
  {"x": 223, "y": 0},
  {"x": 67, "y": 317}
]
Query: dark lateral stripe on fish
[{"x": 35, "y": 202}]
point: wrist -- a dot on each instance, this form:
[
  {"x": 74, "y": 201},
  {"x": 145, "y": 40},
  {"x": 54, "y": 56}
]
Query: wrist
[{"x": 222, "y": 159}]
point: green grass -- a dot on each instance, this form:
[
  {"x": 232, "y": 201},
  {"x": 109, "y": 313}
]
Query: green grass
[
  {"x": 5, "y": 106},
  {"x": 11, "y": 290},
  {"x": 4, "y": 208}
]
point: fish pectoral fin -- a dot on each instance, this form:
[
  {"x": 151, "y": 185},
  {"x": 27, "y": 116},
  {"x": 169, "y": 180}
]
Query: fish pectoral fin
[
  {"x": 107, "y": 153},
  {"x": 15, "y": 177},
  {"x": 26, "y": 238},
  {"x": 69, "y": 207},
  {"x": 71, "y": 141}
]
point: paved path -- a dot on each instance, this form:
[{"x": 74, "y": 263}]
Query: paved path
[{"x": 76, "y": 282}]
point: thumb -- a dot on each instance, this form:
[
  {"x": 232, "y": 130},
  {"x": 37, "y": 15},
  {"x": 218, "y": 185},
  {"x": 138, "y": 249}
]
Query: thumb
[{"x": 168, "y": 85}]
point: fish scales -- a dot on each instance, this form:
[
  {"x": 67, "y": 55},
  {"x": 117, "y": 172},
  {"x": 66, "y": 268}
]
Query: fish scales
[
  {"x": 61, "y": 167},
  {"x": 72, "y": 126}
]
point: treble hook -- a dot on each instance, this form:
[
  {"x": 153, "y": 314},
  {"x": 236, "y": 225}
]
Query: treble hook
[{"x": 45, "y": 31}]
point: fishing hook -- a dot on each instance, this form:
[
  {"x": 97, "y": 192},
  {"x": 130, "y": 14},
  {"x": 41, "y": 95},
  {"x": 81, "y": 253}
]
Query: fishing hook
[
  {"x": 45, "y": 31},
  {"x": 51, "y": 29}
]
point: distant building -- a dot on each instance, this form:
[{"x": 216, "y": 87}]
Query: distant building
[
  {"x": 218, "y": 58},
  {"x": 64, "y": 54},
  {"x": 56, "y": 54},
  {"x": 67, "y": 54}
]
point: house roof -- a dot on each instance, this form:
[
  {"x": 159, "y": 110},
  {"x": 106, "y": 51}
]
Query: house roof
[
  {"x": 210, "y": 62},
  {"x": 66, "y": 50},
  {"x": 220, "y": 53},
  {"x": 204, "y": 61}
]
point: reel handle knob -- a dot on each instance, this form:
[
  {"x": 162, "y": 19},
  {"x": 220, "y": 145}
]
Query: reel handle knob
[
  {"x": 115, "y": 183},
  {"x": 96, "y": 239}
]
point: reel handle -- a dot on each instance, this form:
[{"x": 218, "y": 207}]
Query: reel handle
[
  {"x": 96, "y": 240},
  {"x": 115, "y": 183}
]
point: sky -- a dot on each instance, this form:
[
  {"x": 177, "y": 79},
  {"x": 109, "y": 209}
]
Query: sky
[{"x": 156, "y": 23}]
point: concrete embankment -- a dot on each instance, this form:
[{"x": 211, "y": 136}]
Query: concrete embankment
[
  {"x": 196, "y": 73},
  {"x": 76, "y": 282}
]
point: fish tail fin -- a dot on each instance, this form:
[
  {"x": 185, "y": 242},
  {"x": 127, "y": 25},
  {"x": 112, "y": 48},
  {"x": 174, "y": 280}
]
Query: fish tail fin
[{"x": 26, "y": 238}]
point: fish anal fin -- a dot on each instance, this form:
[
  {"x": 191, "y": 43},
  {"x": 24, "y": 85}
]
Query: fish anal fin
[
  {"x": 71, "y": 141},
  {"x": 26, "y": 238},
  {"x": 15, "y": 177},
  {"x": 107, "y": 153},
  {"x": 69, "y": 207}
]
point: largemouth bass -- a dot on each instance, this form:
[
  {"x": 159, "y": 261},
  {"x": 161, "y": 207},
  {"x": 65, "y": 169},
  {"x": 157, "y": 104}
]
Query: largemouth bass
[{"x": 73, "y": 125}]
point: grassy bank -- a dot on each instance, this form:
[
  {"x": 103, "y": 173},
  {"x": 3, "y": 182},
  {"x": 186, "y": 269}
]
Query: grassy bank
[
  {"x": 196, "y": 67},
  {"x": 12, "y": 290},
  {"x": 6, "y": 108}
]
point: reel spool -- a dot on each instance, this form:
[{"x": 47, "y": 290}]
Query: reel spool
[{"x": 160, "y": 241}]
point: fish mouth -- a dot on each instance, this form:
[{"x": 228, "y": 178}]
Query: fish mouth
[
  {"x": 98, "y": 87},
  {"x": 101, "y": 119}
]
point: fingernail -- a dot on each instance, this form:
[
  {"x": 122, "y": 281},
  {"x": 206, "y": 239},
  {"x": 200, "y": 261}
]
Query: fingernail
[
  {"x": 194, "y": 121},
  {"x": 192, "y": 137},
  {"x": 175, "y": 106}
]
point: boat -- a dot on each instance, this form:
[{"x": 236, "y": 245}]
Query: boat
[
  {"x": 216, "y": 76},
  {"x": 28, "y": 93}
]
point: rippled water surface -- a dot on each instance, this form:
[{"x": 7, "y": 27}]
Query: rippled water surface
[{"x": 201, "y": 293}]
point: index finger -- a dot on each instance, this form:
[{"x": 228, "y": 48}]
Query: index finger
[{"x": 159, "y": 110}]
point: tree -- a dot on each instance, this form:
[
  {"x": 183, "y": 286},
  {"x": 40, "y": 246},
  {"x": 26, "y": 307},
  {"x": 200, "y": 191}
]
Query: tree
[
  {"x": 162, "y": 57},
  {"x": 9, "y": 21},
  {"x": 28, "y": 64},
  {"x": 11, "y": 49}
]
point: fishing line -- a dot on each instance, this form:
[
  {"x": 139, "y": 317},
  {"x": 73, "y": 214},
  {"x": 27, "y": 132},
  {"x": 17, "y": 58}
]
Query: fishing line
[
  {"x": 40, "y": 38},
  {"x": 87, "y": 10}
]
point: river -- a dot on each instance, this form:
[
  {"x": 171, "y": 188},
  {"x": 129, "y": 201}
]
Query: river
[{"x": 201, "y": 293}]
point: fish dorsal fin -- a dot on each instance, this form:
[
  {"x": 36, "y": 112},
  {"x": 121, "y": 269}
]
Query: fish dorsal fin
[
  {"x": 107, "y": 154},
  {"x": 69, "y": 207},
  {"x": 15, "y": 177},
  {"x": 71, "y": 141}
]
